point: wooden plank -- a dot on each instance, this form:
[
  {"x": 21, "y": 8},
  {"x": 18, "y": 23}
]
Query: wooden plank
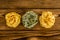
[
  {"x": 23, "y": 34},
  {"x": 21, "y": 31},
  {"x": 41, "y": 38},
  {"x": 3, "y": 25},
  {"x": 20, "y": 6},
  {"x": 30, "y": 4}
]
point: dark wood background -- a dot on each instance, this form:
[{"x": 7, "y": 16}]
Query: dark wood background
[{"x": 22, "y": 6}]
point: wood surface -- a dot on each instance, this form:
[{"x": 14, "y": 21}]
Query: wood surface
[
  {"x": 29, "y": 3},
  {"x": 22, "y": 6}
]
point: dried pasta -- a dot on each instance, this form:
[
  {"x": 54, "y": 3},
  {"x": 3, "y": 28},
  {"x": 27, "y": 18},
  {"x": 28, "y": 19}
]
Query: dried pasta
[
  {"x": 30, "y": 19},
  {"x": 47, "y": 19},
  {"x": 12, "y": 19}
]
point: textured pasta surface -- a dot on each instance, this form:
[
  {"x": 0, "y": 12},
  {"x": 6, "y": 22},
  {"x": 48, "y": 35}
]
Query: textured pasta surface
[
  {"x": 47, "y": 19},
  {"x": 30, "y": 19},
  {"x": 12, "y": 19}
]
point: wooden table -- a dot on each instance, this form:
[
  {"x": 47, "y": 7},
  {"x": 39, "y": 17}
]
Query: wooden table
[{"x": 22, "y": 6}]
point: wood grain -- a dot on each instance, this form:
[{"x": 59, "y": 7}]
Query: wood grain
[
  {"x": 29, "y": 3},
  {"x": 22, "y": 6},
  {"x": 3, "y": 25},
  {"x": 21, "y": 31}
]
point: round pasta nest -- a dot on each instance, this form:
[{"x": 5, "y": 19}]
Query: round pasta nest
[
  {"x": 12, "y": 19},
  {"x": 30, "y": 19},
  {"x": 47, "y": 19}
]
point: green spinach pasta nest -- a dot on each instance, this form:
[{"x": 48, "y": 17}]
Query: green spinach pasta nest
[{"x": 29, "y": 19}]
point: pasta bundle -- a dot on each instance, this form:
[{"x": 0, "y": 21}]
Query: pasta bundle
[
  {"x": 47, "y": 19},
  {"x": 30, "y": 19},
  {"x": 12, "y": 19}
]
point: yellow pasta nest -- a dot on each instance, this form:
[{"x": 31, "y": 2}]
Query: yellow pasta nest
[
  {"x": 12, "y": 19},
  {"x": 47, "y": 19}
]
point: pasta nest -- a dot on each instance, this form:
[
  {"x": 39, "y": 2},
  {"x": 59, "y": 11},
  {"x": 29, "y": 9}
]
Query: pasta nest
[
  {"x": 13, "y": 19},
  {"x": 29, "y": 19},
  {"x": 47, "y": 19}
]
